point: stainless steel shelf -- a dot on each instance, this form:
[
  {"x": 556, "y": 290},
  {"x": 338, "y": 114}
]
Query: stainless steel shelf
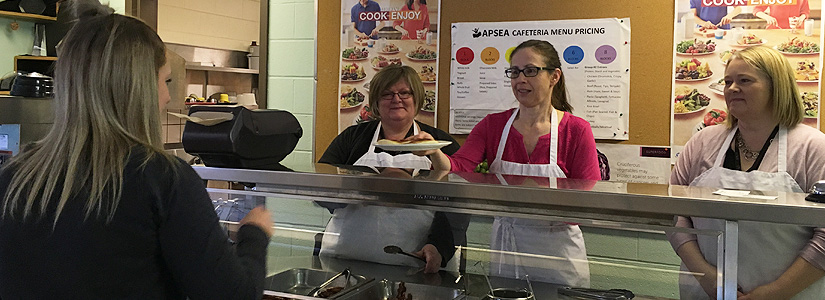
[
  {"x": 221, "y": 69},
  {"x": 651, "y": 204}
]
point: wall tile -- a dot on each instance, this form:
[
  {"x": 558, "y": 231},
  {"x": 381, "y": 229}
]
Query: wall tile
[
  {"x": 305, "y": 161},
  {"x": 280, "y": 93},
  {"x": 305, "y": 20},
  {"x": 611, "y": 243},
  {"x": 292, "y": 58},
  {"x": 308, "y": 124},
  {"x": 304, "y": 99},
  {"x": 281, "y": 21}
]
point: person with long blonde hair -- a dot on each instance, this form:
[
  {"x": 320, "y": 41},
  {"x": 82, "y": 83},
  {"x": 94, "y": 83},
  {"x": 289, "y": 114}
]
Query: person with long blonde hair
[{"x": 96, "y": 209}]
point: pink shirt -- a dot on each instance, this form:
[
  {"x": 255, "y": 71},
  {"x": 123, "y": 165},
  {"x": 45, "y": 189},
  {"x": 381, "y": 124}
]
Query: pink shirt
[
  {"x": 783, "y": 12},
  {"x": 805, "y": 163},
  {"x": 413, "y": 25},
  {"x": 576, "y": 154}
]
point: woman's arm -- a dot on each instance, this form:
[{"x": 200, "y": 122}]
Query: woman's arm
[{"x": 796, "y": 278}]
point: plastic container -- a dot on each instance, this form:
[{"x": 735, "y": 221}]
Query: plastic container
[{"x": 809, "y": 27}]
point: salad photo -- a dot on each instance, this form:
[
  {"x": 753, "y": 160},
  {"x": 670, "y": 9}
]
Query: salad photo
[
  {"x": 429, "y": 101},
  {"x": 695, "y": 47},
  {"x": 797, "y": 46},
  {"x": 692, "y": 69},
  {"x": 689, "y": 100},
  {"x": 422, "y": 53},
  {"x": 715, "y": 116},
  {"x": 351, "y": 97},
  {"x": 810, "y": 101},
  {"x": 352, "y": 72},
  {"x": 355, "y": 53}
]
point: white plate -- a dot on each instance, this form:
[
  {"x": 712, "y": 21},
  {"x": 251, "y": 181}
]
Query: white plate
[
  {"x": 737, "y": 44},
  {"x": 420, "y": 59},
  {"x": 414, "y": 147},
  {"x": 689, "y": 80},
  {"x": 697, "y": 54},
  {"x": 791, "y": 53},
  {"x": 807, "y": 81}
]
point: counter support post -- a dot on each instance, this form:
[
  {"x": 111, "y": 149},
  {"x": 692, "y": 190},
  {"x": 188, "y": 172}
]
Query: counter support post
[{"x": 730, "y": 261}]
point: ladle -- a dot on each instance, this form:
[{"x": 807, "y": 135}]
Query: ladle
[{"x": 392, "y": 249}]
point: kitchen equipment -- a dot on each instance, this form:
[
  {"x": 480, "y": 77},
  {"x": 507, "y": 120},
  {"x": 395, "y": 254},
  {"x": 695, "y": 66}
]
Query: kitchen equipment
[
  {"x": 257, "y": 139},
  {"x": 817, "y": 193},
  {"x": 39, "y": 34},
  {"x": 387, "y": 289},
  {"x": 314, "y": 292},
  {"x": 510, "y": 294},
  {"x": 584, "y": 293},
  {"x": 33, "y": 85},
  {"x": 302, "y": 281},
  {"x": 392, "y": 249}
]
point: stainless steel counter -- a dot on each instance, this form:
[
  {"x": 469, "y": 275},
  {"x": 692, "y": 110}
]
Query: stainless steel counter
[{"x": 485, "y": 194}]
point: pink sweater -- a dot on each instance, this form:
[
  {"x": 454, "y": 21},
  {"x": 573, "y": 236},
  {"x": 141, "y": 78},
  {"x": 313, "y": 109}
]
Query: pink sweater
[
  {"x": 805, "y": 163},
  {"x": 576, "y": 154}
]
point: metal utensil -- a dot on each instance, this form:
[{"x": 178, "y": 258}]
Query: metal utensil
[
  {"x": 314, "y": 292},
  {"x": 392, "y": 249}
]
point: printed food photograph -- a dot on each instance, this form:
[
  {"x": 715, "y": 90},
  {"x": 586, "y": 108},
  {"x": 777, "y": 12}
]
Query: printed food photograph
[
  {"x": 422, "y": 53},
  {"x": 811, "y": 104},
  {"x": 390, "y": 48},
  {"x": 689, "y": 100},
  {"x": 692, "y": 69},
  {"x": 352, "y": 72},
  {"x": 381, "y": 62},
  {"x": 696, "y": 47},
  {"x": 798, "y": 46},
  {"x": 355, "y": 54},
  {"x": 351, "y": 97},
  {"x": 427, "y": 74},
  {"x": 806, "y": 71},
  {"x": 750, "y": 39}
]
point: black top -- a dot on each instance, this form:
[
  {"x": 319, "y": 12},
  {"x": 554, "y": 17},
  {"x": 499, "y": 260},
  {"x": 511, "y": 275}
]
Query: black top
[
  {"x": 351, "y": 144},
  {"x": 354, "y": 141},
  {"x": 734, "y": 162},
  {"x": 164, "y": 242}
]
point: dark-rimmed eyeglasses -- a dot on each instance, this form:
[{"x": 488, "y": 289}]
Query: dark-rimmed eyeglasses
[
  {"x": 401, "y": 94},
  {"x": 528, "y": 71}
]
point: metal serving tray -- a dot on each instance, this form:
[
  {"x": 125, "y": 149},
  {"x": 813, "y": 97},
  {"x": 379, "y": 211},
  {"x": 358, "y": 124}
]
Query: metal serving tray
[
  {"x": 385, "y": 290},
  {"x": 302, "y": 281}
]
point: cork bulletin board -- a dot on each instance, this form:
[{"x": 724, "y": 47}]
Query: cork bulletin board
[{"x": 650, "y": 60}]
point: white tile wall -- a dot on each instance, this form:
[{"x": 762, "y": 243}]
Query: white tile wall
[
  {"x": 223, "y": 24},
  {"x": 291, "y": 82}
]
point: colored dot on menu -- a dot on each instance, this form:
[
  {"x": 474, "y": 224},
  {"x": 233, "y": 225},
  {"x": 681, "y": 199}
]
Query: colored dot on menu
[
  {"x": 573, "y": 55},
  {"x": 490, "y": 55},
  {"x": 464, "y": 55},
  {"x": 606, "y": 54}
]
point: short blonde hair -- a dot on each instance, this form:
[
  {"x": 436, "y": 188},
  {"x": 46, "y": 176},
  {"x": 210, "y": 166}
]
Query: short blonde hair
[
  {"x": 389, "y": 76},
  {"x": 785, "y": 98}
]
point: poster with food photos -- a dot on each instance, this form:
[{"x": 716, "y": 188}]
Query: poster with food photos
[
  {"x": 379, "y": 33},
  {"x": 707, "y": 33},
  {"x": 595, "y": 61}
]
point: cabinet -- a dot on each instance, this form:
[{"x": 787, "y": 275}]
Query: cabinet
[{"x": 604, "y": 211}]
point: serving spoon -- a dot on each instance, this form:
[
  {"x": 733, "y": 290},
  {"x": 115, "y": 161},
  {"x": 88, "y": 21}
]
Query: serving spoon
[{"x": 393, "y": 249}]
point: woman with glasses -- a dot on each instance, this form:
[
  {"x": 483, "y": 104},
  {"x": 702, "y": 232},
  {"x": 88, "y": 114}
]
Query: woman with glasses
[
  {"x": 396, "y": 95},
  {"x": 538, "y": 138}
]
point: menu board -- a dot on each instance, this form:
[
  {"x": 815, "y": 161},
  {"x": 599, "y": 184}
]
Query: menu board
[
  {"x": 379, "y": 34},
  {"x": 595, "y": 58},
  {"x": 703, "y": 43}
]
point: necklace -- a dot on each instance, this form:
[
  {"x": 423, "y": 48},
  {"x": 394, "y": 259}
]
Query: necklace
[{"x": 740, "y": 144}]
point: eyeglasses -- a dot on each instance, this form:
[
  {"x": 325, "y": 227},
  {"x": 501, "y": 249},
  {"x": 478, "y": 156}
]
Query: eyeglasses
[
  {"x": 401, "y": 94},
  {"x": 528, "y": 71}
]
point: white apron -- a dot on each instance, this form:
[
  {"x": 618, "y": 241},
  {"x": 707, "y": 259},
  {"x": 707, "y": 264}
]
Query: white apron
[
  {"x": 766, "y": 250},
  {"x": 361, "y": 231},
  {"x": 555, "y": 250}
]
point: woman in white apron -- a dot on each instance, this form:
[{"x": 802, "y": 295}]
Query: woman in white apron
[
  {"x": 539, "y": 138},
  {"x": 361, "y": 231},
  {"x": 775, "y": 261}
]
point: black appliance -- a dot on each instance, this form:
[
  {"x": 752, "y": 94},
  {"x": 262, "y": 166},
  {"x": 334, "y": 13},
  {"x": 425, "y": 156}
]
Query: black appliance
[
  {"x": 33, "y": 85},
  {"x": 253, "y": 139}
]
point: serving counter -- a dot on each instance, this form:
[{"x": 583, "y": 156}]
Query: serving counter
[{"x": 621, "y": 207}]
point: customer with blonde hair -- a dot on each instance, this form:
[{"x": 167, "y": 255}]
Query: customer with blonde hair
[
  {"x": 763, "y": 147},
  {"x": 96, "y": 209}
]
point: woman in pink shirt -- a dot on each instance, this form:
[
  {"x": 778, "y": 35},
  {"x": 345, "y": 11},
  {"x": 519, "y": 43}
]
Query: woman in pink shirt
[
  {"x": 779, "y": 16},
  {"x": 539, "y": 138},
  {"x": 414, "y": 28}
]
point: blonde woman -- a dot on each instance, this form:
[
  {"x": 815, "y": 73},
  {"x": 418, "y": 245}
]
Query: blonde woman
[
  {"x": 763, "y": 147},
  {"x": 96, "y": 210}
]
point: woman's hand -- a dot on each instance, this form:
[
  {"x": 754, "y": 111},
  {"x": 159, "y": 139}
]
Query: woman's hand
[
  {"x": 767, "y": 291},
  {"x": 422, "y": 136},
  {"x": 403, "y": 31},
  {"x": 433, "y": 258},
  {"x": 261, "y": 218}
]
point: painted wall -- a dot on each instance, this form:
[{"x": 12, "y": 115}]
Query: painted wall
[{"x": 222, "y": 24}]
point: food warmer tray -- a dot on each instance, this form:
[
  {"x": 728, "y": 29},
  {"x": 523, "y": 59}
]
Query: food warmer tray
[
  {"x": 301, "y": 282},
  {"x": 386, "y": 290}
]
